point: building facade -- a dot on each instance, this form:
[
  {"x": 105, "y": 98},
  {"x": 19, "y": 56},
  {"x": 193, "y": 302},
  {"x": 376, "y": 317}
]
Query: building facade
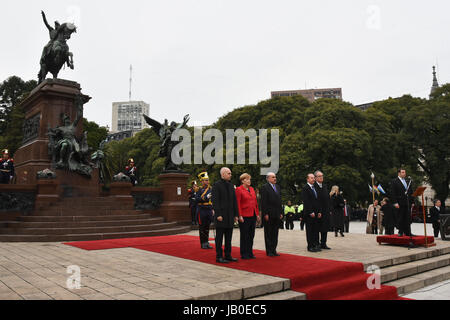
[
  {"x": 128, "y": 116},
  {"x": 311, "y": 94}
]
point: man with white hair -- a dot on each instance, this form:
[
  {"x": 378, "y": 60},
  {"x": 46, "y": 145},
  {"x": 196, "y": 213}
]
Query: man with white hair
[
  {"x": 226, "y": 215},
  {"x": 272, "y": 213}
]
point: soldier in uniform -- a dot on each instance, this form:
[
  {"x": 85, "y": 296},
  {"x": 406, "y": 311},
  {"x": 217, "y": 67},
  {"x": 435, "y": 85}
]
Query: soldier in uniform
[
  {"x": 192, "y": 192},
  {"x": 6, "y": 168},
  {"x": 131, "y": 171},
  {"x": 204, "y": 209}
]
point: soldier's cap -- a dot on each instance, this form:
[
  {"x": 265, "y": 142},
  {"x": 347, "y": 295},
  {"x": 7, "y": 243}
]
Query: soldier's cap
[
  {"x": 130, "y": 160},
  {"x": 5, "y": 151},
  {"x": 203, "y": 176}
]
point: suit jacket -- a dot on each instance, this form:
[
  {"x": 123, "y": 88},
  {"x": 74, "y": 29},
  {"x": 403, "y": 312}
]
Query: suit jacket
[
  {"x": 324, "y": 198},
  {"x": 434, "y": 214},
  {"x": 224, "y": 204},
  {"x": 398, "y": 192},
  {"x": 247, "y": 202},
  {"x": 311, "y": 203},
  {"x": 271, "y": 202}
]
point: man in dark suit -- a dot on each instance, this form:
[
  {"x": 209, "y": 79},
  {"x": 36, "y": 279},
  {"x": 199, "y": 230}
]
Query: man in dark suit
[
  {"x": 401, "y": 197},
  {"x": 347, "y": 215},
  {"x": 435, "y": 217},
  {"x": 226, "y": 214},
  {"x": 324, "y": 198},
  {"x": 312, "y": 213},
  {"x": 272, "y": 213}
]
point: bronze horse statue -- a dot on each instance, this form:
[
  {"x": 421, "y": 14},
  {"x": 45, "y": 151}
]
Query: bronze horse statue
[{"x": 56, "y": 53}]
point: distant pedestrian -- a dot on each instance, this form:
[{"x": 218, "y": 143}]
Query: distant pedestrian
[
  {"x": 388, "y": 214},
  {"x": 374, "y": 217},
  {"x": 435, "y": 219},
  {"x": 289, "y": 214},
  {"x": 337, "y": 202},
  {"x": 347, "y": 215}
]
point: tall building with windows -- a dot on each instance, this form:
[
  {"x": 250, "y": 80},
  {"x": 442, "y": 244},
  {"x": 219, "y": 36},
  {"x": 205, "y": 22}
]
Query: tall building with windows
[
  {"x": 128, "y": 116},
  {"x": 311, "y": 94}
]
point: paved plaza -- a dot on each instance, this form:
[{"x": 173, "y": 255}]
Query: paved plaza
[{"x": 35, "y": 271}]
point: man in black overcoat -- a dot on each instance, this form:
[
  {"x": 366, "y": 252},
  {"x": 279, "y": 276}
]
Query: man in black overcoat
[
  {"x": 324, "y": 198},
  {"x": 312, "y": 213},
  {"x": 272, "y": 213},
  {"x": 401, "y": 197},
  {"x": 435, "y": 217},
  {"x": 226, "y": 214}
]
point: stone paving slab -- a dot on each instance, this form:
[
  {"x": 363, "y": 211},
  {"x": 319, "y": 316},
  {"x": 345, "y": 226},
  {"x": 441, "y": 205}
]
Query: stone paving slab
[{"x": 39, "y": 270}]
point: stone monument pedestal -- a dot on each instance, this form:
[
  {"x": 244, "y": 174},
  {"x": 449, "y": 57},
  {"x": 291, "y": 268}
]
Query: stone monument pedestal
[
  {"x": 43, "y": 109},
  {"x": 175, "y": 206}
]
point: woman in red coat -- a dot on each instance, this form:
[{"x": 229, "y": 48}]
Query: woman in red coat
[{"x": 248, "y": 215}]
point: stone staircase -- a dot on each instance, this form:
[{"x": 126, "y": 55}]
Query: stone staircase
[
  {"x": 85, "y": 219},
  {"x": 408, "y": 273}
]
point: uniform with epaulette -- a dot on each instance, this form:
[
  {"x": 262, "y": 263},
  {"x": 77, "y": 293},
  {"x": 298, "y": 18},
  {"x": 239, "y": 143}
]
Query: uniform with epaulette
[
  {"x": 204, "y": 210},
  {"x": 6, "y": 168}
]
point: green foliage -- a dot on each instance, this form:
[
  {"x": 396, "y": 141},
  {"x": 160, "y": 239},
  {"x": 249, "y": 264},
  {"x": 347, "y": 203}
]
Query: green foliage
[
  {"x": 12, "y": 92},
  {"x": 96, "y": 134}
]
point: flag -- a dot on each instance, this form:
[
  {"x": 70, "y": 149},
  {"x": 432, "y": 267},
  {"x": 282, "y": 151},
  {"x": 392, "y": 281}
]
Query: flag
[
  {"x": 370, "y": 188},
  {"x": 376, "y": 190},
  {"x": 381, "y": 189}
]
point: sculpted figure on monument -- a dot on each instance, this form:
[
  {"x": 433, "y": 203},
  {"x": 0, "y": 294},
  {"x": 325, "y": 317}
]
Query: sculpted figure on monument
[
  {"x": 56, "y": 53},
  {"x": 64, "y": 147},
  {"x": 165, "y": 131}
]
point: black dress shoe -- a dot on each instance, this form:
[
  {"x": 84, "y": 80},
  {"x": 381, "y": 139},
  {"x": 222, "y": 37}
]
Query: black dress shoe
[
  {"x": 342, "y": 234},
  {"x": 230, "y": 259},
  {"x": 245, "y": 258},
  {"x": 325, "y": 247},
  {"x": 318, "y": 248},
  {"x": 312, "y": 250},
  {"x": 270, "y": 255},
  {"x": 400, "y": 234},
  {"x": 222, "y": 260},
  {"x": 276, "y": 254},
  {"x": 208, "y": 246},
  {"x": 252, "y": 257}
]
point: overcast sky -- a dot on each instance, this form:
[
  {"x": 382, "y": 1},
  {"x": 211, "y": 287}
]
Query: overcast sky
[{"x": 208, "y": 57}]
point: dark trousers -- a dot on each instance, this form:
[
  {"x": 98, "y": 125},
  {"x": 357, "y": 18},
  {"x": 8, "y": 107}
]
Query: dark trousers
[
  {"x": 194, "y": 214},
  {"x": 220, "y": 234},
  {"x": 247, "y": 229},
  {"x": 302, "y": 224},
  {"x": 436, "y": 229},
  {"x": 271, "y": 235},
  {"x": 389, "y": 230},
  {"x": 290, "y": 222},
  {"x": 347, "y": 224},
  {"x": 312, "y": 233},
  {"x": 404, "y": 220}
]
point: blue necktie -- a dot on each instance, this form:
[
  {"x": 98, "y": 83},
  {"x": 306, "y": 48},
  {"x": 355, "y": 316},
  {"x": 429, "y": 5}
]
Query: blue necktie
[
  {"x": 314, "y": 190},
  {"x": 274, "y": 188},
  {"x": 404, "y": 183}
]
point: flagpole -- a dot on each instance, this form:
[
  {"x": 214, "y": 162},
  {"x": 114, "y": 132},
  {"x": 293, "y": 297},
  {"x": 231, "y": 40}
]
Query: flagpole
[{"x": 373, "y": 188}]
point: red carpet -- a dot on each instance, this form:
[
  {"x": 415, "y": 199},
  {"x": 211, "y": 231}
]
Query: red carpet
[
  {"x": 320, "y": 279},
  {"x": 404, "y": 241}
]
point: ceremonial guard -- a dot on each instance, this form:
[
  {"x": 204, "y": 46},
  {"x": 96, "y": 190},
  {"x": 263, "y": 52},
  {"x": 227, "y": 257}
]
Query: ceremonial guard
[
  {"x": 205, "y": 210},
  {"x": 192, "y": 194},
  {"x": 6, "y": 168},
  {"x": 131, "y": 171}
]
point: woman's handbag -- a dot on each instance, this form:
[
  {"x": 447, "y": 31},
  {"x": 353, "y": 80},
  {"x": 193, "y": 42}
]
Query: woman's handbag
[{"x": 369, "y": 228}]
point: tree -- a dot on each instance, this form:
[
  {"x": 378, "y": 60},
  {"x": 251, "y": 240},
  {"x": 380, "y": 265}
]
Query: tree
[
  {"x": 427, "y": 127},
  {"x": 95, "y": 134},
  {"x": 12, "y": 92}
]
